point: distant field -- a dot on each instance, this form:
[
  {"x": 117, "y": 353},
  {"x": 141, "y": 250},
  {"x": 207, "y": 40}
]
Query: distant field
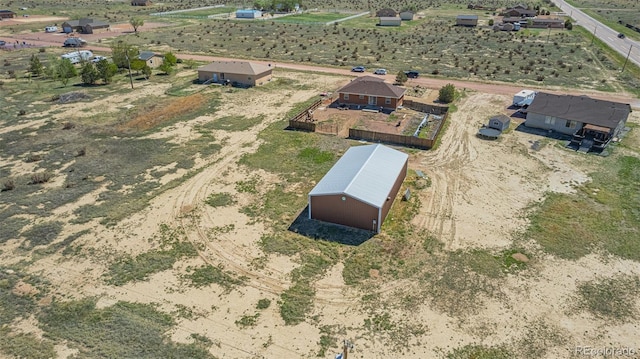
[
  {"x": 431, "y": 45},
  {"x": 315, "y": 17},
  {"x": 213, "y": 11}
]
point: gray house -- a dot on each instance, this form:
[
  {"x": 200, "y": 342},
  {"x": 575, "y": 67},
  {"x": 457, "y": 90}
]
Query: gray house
[
  {"x": 467, "y": 20},
  {"x": 389, "y": 21},
  {"x": 406, "y": 15},
  {"x": 591, "y": 122}
]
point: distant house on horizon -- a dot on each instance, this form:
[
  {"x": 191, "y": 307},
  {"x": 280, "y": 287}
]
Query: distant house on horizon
[
  {"x": 7, "y": 14},
  {"x": 85, "y": 26},
  {"x": 241, "y": 73},
  {"x": 389, "y": 21},
  {"x": 248, "y": 14},
  {"x": 467, "y": 20},
  {"x": 386, "y": 12},
  {"x": 152, "y": 59},
  {"x": 141, "y": 3},
  {"x": 406, "y": 15},
  {"x": 518, "y": 12}
]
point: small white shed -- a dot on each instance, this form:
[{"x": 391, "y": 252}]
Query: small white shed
[{"x": 248, "y": 14}]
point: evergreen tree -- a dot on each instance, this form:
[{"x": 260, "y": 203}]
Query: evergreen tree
[
  {"x": 106, "y": 70},
  {"x": 447, "y": 93},
  {"x": 89, "y": 74},
  {"x": 36, "y": 67}
]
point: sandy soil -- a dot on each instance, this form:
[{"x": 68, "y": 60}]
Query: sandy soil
[{"x": 479, "y": 194}]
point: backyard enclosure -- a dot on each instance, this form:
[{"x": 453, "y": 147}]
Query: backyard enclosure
[{"x": 417, "y": 124}]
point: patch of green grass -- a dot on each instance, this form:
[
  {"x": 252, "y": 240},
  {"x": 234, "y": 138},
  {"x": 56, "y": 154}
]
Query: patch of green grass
[
  {"x": 14, "y": 306},
  {"x": 476, "y": 351},
  {"x": 248, "y": 321},
  {"x": 314, "y": 18},
  {"x": 248, "y": 186},
  {"x": 208, "y": 274},
  {"x": 41, "y": 234},
  {"x": 221, "y": 199},
  {"x": 602, "y": 215},
  {"x": 172, "y": 248},
  {"x": 316, "y": 155},
  {"x": 296, "y": 302},
  {"x": 235, "y": 123},
  {"x": 21, "y": 345},
  {"x": 11, "y": 228},
  {"x": 611, "y": 299},
  {"x": 123, "y": 330}
]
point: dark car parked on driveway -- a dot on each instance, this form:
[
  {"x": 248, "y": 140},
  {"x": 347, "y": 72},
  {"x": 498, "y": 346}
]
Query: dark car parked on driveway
[
  {"x": 358, "y": 69},
  {"x": 412, "y": 74}
]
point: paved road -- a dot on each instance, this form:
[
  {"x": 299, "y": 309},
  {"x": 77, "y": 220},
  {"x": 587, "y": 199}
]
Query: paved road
[{"x": 603, "y": 32}]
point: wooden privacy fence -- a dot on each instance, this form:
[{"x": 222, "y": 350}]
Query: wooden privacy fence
[
  {"x": 403, "y": 140},
  {"x": 409, "y": 141},
  {"x": 425, "y": 107}
]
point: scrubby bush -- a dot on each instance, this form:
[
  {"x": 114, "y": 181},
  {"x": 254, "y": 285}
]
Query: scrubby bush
[{"x": 447, "y": 93}]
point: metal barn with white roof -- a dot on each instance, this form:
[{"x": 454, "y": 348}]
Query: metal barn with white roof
[{"x": 360, "y": 188}]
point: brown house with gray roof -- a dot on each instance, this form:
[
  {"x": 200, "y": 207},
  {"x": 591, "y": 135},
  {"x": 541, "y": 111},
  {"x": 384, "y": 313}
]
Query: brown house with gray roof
[
  {"x": 240, "y": 73},
  {"x": 371, "y": 91},
  {"x": 518, "y": 12},
  {"x": 7, "y": 14},
  {"x": 85, "y": 26}
]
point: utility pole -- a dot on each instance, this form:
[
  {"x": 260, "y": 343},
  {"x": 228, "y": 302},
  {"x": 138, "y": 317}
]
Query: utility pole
[
  {"x": 126, "y": 55},
  {"x": 594, "y": 34},
  {"x": 627, "y": 59},
  {"x": 549, "y": 34}
]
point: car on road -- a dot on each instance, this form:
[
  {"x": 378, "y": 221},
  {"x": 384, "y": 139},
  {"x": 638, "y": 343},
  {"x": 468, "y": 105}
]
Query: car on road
[
  {"x": 98, "y": 58},
  {"x": 412, "y": 74},
  {"x": 621, "y": 36},
  {"x": 380, "y": 72},
  {"x": 2, "y": 42},
  {"x": 358, "y": 69}
]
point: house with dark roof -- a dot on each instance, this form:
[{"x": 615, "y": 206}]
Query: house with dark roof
[
  {"x": 360, "y": 188},
  {"x": 371, "y": 91},
  {"x": 240, "y": 73},
  {"x": 7, "y": 14},
  {"x": 593, "y": 121},
  {"x": 85, "y": 26},
  {"x": 545, "y": 23},
  {"x": 152, "y": 59},
  {"x": 387, "y": 12},
  {"x": 518, "y": 12},
  {"x": 467, "y": 20}
]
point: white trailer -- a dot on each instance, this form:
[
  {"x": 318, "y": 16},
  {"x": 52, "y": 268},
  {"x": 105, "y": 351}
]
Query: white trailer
[
  {"x": 78, "y": 56},
  {"x": 524, "y": 98}
]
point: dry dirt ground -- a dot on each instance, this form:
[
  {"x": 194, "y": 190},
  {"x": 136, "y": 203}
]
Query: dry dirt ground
[{"x": 478, "y": 198}]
